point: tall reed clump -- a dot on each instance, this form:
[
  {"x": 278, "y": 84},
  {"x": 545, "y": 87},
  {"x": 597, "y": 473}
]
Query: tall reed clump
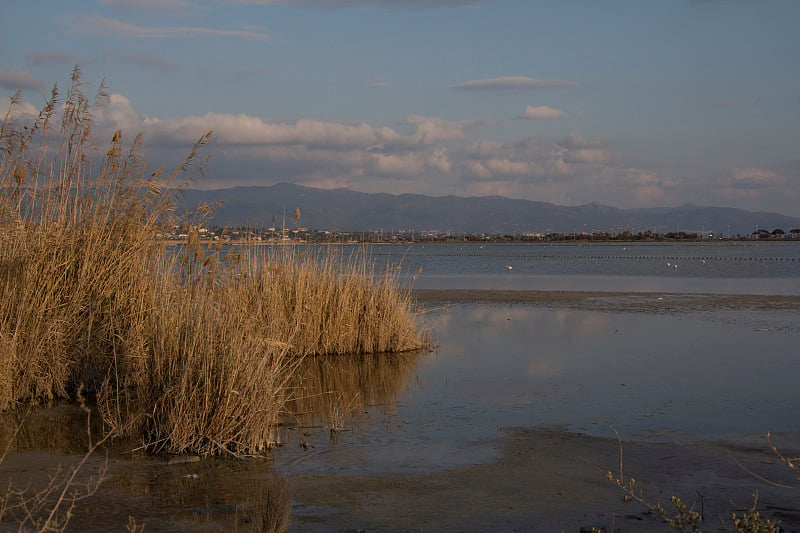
[
  {"x": 330, "y": 303},
  {"x": 188, "y": 348}
]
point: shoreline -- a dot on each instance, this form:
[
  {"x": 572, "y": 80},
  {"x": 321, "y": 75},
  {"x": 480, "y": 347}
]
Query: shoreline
[
  {"x": 544, "y": 478},
  {"x": 611, "y": 301},
  {"x": 548, "y": 479}
]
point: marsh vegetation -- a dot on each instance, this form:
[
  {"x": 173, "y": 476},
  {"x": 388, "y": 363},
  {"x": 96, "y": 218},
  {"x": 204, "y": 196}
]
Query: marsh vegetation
[{"x": 189, "y": 349}]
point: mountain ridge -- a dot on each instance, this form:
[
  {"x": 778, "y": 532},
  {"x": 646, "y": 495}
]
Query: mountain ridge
[{"x": 343, "y": 209}]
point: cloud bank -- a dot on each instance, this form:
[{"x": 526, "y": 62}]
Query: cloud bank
[
  {"x": 13, "y": 80},
  {"x": 512, "y": 83},
  {"x": 106, "y": 27},
  {"x": 425, "y": 154},
  {"x": 542, "y": 112},
  {"x": 338, "y": 4},
  {"x": 422, "y": 154}
]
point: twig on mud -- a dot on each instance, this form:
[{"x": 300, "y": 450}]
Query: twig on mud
[{"x": 758, "y": 476}]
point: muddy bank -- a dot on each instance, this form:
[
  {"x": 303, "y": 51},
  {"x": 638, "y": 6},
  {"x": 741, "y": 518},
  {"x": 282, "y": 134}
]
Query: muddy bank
[
  {"x": 612, "y": 301},
  {"x": 551, "y": 480},
  {"x": 544, "y": 479},
  {"x": 159, "y": 494}
]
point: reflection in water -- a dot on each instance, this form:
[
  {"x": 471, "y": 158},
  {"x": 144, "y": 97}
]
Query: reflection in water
[
  {"x": 216, "y": 493},
  {"x": 712, "y": 374},
  {"x": 160, "y": 493},
  {"x": 164, "y": 493},
  {"x": 693, "y": 374},
  {"x": 329, "y": 390},
  {"x": 61, "y": 429}
]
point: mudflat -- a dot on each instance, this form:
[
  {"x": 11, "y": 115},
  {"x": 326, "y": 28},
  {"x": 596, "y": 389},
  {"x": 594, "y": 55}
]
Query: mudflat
[
  {"x": 613, "y": 301},
  {"x": 548, "y": 479},
  {"x": 545, "y": 479}
]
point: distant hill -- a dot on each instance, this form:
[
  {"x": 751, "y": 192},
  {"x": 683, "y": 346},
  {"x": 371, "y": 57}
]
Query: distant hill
[{"x": 346, "y": 210}]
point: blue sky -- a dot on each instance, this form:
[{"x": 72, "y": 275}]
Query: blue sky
[{"x": 627, "y": 103}]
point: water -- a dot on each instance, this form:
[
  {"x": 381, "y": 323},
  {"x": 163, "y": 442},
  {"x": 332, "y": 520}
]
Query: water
[
  {"x": 722, "y": 268},
  {"x": 673, "y": 376},
  {"x": 665, "y": 377}
]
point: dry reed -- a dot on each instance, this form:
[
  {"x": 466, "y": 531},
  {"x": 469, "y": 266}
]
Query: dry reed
[{"x": 190, "y": 349}]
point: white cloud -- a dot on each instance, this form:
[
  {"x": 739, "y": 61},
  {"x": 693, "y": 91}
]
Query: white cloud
[
  {"x": 19, "y": 79},
  {"x": 590, "y": 156},
  {"x": 431, "y": 130},
  {"x": 575, "y": 141},
  {"x": 159, "y": 5},
  {"x": 427, "y": 155},
  {"x": 335, "y": 4},
  {"x": 754, "y": 178},
  {"x": 519, "y": 83},
  {"x": 748, "y": 184},
  {"x": 644, "y": 186},
  {"x": 532, "y": 161},
  {"x": 378, "y": 82},
  {"x": 576, "y": 150},
  {"x": 23, "y": 110},
  {"x": 119, "y": 113},
  {"x": 246, "y": 129},
  {"x": 476, "y": 169},
  {"x": 486, "y": 148},
  {"x": 507, "y": 167},
  {"x": 542, "y": 112},
  {"x": 97, "y": 25},
  {"x": 406, "y": 165},
  {"x": 440, "y": 161},
  {"x": 307, "y": 150}
]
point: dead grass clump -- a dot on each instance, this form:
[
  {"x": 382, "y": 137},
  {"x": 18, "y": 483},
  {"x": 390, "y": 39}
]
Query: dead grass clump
[
  {"x": 189, "y": 348},
  {"x": 330, "y": 304}
]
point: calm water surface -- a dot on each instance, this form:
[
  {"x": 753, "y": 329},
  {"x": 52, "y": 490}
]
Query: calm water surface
[
  {"x": 727, "y": 268},
  {"x": 677, "y": 376},
  {"x": 672, "y": 377}
]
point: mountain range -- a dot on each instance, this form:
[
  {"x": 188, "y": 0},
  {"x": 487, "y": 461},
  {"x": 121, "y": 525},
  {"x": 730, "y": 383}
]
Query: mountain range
[{"x": 347, "y": 210}]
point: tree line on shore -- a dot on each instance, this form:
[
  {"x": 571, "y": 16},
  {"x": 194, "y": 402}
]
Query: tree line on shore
[{"x": 304, "y": 235}]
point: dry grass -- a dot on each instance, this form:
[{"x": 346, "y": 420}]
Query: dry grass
[{"x": 191, "y": 350}]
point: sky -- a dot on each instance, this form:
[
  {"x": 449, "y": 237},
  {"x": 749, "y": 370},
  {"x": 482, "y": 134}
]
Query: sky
[{"x": 636, "y": 103}]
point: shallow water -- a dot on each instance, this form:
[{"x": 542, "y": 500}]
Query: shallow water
[
  {"x": 669, "y": 377},
  {"x": 723, "y": 268}
]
